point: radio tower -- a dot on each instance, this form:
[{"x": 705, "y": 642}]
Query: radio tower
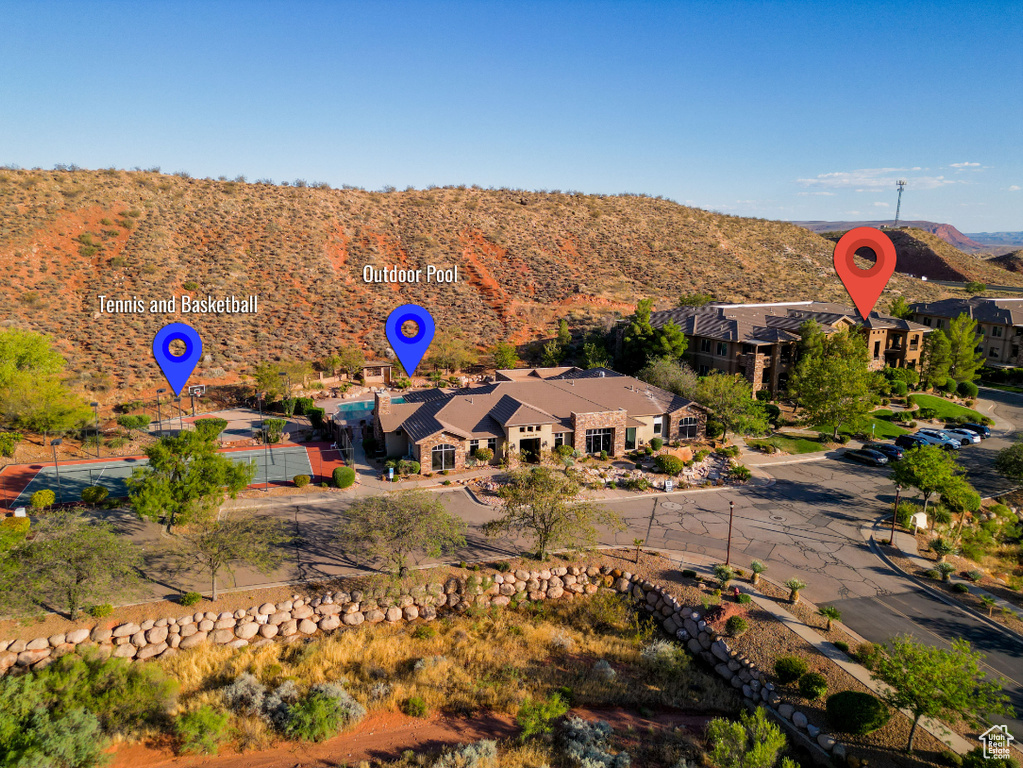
[{"x": 901, "y": 183}]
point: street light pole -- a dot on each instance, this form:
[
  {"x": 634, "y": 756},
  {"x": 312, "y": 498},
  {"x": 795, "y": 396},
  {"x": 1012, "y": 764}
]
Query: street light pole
[
  {"x": 95, "y": 408},
  {"x": 181, "y": 420},
  {"x": 56, "y": 465},
  {"x": 159, "y": 418},
  {"x": 266, "y": 460},
  {"x": 728, "y": 551},
  {"x": 895, "y": 513}
]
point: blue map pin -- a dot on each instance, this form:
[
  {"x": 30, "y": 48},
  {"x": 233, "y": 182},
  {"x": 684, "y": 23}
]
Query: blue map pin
[
  {"x": 409, "y": 349},
  {"x": 177, "y": 369}
]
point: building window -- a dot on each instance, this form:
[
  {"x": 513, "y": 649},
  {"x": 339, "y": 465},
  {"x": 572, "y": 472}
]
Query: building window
[
  {"x": 996, "y": 331},
  {"x": 722, "y": 349},
  {"x": 492, "y": 444},
  {"x": 658, "y": 425},
  {"x": 688, "y": 427},
  {"x": 630, "y": 438},
  {"x": 877, "y": 349},
  {"x": 993, "y": 352},
  {"x": 559, "y": 439},
  {"x": 473, "y": 445},
  {"x": 522, "y": 429},
  {"x": 443, "y": 457},
  {"x": 598, "y": 440},
  {"x": 704, "y": 370},
  {"x": 927, "y": 321},
  {"x": 705, "y": 345}
]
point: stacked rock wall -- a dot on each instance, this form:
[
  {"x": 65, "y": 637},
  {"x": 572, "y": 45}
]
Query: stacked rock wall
[{"x": 298, "y": 618}]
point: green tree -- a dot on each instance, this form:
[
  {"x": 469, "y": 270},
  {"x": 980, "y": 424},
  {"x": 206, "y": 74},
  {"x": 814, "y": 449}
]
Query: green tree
[
  {"x": 214, "y": 543},
  {"x": 71, "y": 560},
  {"x": 392, "y": 529},
  {"x": 451, "y": 352},
  {"x": 695, "y": 299},
  {"x": 26, "y": 352},
  {"x": 1009, "y": 463},
  {"x": 730, "y": 399},
  {"x": 331, "y": 363},
  {"x": 753, "y": 742},
  {"x": 185, "y": 478},
  {"x": 504, "y": 355},
  {"x": 929, "y": 469},
  {"x": 671, "y": 375},
  {"x": 564, "y": 337},
  {"x": 935, "y": 359},
  {"x": 832, "y": 382},
  {"x": 934, "y": 682},
  {"x": 642, "y": 342},
  {"x": 42, "y": 499},
  {"x": 965, "y": 358},
  {"x": 900, "y": 308},
  {"x": 595, "y": 355},
  {"x": 973, "y": 286},
  {"x": 552, "y": 355},
  {"x": 959, "y": 496},
  {"x": 351, "y": 360},
  {"x": 538, "y": 503},
  {"x": 210, "y": 427},
  {"x": 42, "y": 403},
  {"x": 269, "y": 380}
]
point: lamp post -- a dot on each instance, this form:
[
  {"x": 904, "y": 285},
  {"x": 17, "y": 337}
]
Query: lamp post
[
  {"x": 159, "y": 418},
  {"x": 56, "y": 465},
  {"x": 266, "y": 461},
  {"x": 895, "y": 514},
  {"x": 728, "y": 550},
  {"x": 95, "y": 409},
  {"x": 287, "y": 394},
  {"x": 181, "y": 420}
]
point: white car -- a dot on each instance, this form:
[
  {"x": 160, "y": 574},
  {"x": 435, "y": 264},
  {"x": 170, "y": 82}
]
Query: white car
[{"x": 964, "y": 436}]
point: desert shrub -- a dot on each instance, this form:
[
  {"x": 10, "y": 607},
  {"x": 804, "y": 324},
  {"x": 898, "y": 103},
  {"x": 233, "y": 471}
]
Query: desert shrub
[
  {"x": 960, "y": 588},
  {"x": 132, "y": 421},
  {"x": 415, "y": 706},
  {"x": 301, "y": 481},
  {"x": 424, "y": 632},
  {"x": 407, "y": 467},
  {"x": 730, "y": 451},
  {"x": 603, "y": 670},
  {"x": 323, "y": 712},
  {"x": 117, "y": 442},
  {"x": 900, "y": 388},
  {"x": 856, "y": 712},
  {"x": 688, "y": 573},
  {"x": 244, "y": 695},
  {"x": 788, "y": 669},
  {"x": 925, "y": 414},
  {"x": 32, "y": 737},
  {"x": 945, "y": 570},
  {"x": 202, "y": 730},
  {"x": 8, "y": 442},
  {"x": 865, "y": 654},
  {"x": 636, "y": 484},
  {"x": 669, "y": 465},
  {"x": 100, "y": 611},
  {"x": 603, "y": 455},
  {"x": 740, "y": 472},
  {"x": 656, "y": 443},
  {"x": 736, "y": 626},
  {"x": 190, "y": 598},
  {"x": 813, "y": 685},
  {"x": 536, "y": 717},
  {"x": 344, "y": 477},
  {"x": 94, "y": 494},
  {"x": 302, "y": 405},
  {"x": 315, "y": 417},
  {"x": 585, "y": 744},
  {"x": 931, "y": 573},
  {"x": 745, "y": 599},
  {"x": 482, "y": 754},
  {"x": 665, "y": 658},
  {"x": 563, "y": 451},
  {"x": 277, "y": 704},
  {"x": 42, "y": 499}
]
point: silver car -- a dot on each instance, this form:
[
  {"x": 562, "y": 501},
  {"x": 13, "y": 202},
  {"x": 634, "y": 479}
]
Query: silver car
[
  {"x": 941, "y": 437},
  {"x": 964, "y": 436}
]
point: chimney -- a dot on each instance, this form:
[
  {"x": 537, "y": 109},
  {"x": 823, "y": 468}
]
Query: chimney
[{"x": 382, "y": 402}]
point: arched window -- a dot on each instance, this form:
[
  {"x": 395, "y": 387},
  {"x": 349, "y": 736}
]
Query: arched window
[{"x": 443, "y": 457}]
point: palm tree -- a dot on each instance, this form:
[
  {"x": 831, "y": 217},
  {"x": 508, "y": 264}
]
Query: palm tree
[
  {"x": 637, "y": 543},
  {"x": 793, "y": 586},
  {"x": 943, "y": 548},
  {"x": 989, "y": 603},
  {"x": 831, "y": 613},
  {"x": 724, "y": 574}
]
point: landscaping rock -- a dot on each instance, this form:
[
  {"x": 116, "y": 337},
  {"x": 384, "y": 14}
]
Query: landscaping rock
[
  {"x": 374, "y": 616},
  {"x": 288, "y": 628},
  {"x": 826, "y": 741},
  {"x": 223, "y": 636},
  {"x": 799, "y": 720},
  {"x": 354, "y": 619},
  {"x": 150, "y": 651},
  {"x": 126, "y": 651},
  {"x": 77, "y": 636},
  {"x": 247, "y": 631},
  {"x": 306, "y": 627},
  {"x": 267, "y": 608},
  {"x": 268, "y": 630},
  {"x": 329, "y": 624},
  {"x": 157, "y": 635},
  {"x": 393, "y": 613},
  {"x": 193, "y": 641},
  {"x": 206, "y": 625}
]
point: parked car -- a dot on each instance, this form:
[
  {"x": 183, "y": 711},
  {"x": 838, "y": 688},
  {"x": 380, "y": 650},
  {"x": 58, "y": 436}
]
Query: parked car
[
  {"x": 893, "y": 452},
  {"x": 910, "y": 441},
  {"x": 980, "y": 429},
  {"x": 864, "y": 456},
  {"x": 964, "y": 436},
  {"x": 942, "y": 438}
]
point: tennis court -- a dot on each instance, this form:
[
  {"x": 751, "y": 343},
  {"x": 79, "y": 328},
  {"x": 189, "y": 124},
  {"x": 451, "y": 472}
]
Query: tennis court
[{"x": 275, "y": 465}]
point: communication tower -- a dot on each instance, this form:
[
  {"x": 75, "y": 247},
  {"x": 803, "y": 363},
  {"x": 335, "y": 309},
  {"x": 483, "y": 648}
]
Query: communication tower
[{"x": 901, "y": 183}]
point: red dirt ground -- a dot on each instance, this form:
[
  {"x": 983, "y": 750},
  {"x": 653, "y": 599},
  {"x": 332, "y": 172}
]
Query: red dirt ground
[{"x": 385, "y": 735}]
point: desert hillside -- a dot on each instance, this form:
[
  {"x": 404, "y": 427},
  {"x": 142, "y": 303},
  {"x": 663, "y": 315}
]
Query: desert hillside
[
  {"x": 946, "y": 232},
  {"x": 524, "y": 259}
]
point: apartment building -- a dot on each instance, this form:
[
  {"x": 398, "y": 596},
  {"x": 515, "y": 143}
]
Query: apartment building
[{"x": 999, "y": 324}]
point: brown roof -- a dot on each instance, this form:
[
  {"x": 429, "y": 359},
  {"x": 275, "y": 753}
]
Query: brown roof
[
  {"x": 481, "y": 411},
  {"x": 997, "y": 311}
]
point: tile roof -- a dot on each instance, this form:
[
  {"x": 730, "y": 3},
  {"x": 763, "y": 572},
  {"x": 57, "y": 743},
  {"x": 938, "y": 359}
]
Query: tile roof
[
  {"x": 998, "y": 311},
  {"x": 480, "y": 411},
  {"x": 769, "y": 323}
]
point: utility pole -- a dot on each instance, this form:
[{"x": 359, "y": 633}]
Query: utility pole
[
  {"x": 728, "y": 551},
  {"x": 901, "y": 183}
]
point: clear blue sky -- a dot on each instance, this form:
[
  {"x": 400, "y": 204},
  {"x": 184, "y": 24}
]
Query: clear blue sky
[{"x": 771, "y": 109}]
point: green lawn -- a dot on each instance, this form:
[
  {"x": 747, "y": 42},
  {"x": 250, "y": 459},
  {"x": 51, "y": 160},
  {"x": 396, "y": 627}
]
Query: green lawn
[
  {"x": 788, "y": 444},
  {"x": 944, "y": 407},
  {"x": 883, "y": 429}
]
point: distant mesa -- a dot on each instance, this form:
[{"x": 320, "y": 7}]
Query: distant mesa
[{"x": 946, "y": 232}]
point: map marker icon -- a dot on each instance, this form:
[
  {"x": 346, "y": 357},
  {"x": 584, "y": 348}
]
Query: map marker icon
[
  {"x": 865, "y": 285},
  {"x": 176, "y": 368},
  {"x": 409, "y": 349}
]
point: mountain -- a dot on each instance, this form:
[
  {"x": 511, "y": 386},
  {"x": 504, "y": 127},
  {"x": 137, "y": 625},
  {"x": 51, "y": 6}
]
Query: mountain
[
  {"x": 1011, "y": 261},
  {"x": 946, "y": 232},
  {"x": 997, "y": 238},
  {"x": 525, "y": 259}
]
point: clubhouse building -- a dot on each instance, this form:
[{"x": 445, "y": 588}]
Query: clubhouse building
[{"x": 529, "y": 412}]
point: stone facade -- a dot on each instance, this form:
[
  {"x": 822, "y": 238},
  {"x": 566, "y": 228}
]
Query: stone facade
[
  {"x": 381, "y": 405},
  {"x": 599, "y": 420},
  {"x": 424, "y": 451},
  {"x": 675, "y": 420}
]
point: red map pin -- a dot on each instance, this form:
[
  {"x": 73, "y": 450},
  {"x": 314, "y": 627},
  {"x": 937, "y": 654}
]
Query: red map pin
[{"x": 865, "y": 285}]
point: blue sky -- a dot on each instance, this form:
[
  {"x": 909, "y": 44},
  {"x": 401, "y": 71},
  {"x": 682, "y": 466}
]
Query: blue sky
[{"x": 771, "y": 109}]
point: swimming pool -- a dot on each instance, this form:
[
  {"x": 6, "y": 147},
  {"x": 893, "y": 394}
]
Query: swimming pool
[{"x": 362, "y": 407}]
